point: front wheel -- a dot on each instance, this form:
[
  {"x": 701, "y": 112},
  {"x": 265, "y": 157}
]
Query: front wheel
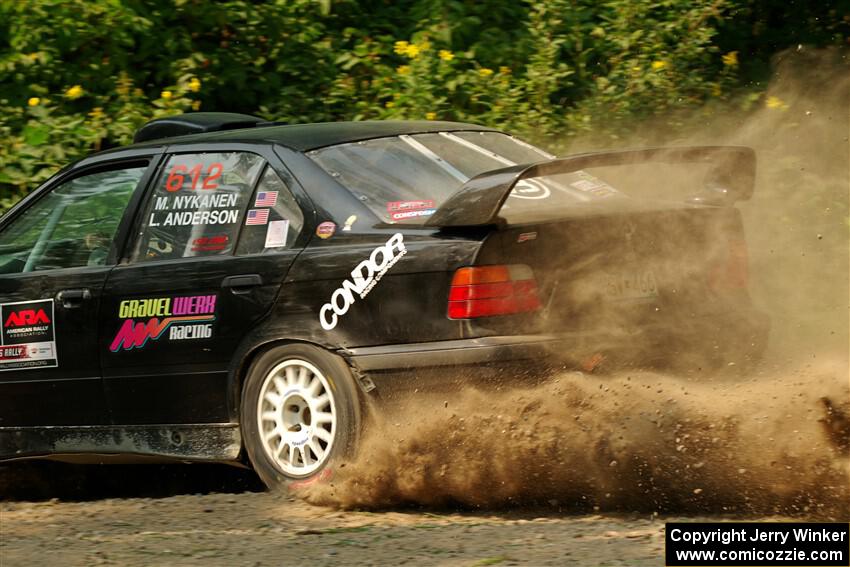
[{"x": 300, "y": 413}]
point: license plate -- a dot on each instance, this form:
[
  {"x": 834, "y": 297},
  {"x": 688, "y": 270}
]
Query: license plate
[{"x": 634, "y": 285}]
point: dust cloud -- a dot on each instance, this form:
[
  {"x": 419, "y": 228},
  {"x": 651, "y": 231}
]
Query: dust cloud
[
  {"x": 773, "y": 440},
  {"x": 637, "y": 441}
]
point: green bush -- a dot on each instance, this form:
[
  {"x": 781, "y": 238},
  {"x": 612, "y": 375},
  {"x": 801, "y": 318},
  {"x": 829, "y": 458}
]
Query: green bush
[{"x": 80, "y": 75}]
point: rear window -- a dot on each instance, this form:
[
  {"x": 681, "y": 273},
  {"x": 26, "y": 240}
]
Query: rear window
[{"x": 404, "y": 179}]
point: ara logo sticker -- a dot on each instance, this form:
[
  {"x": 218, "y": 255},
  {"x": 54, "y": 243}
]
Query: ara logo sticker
[
  {"x": 188, "y": 317},
  {"x": 27, "y": 337},
  {"x": 26, "y": 317},
  {"x": 364, "y": 277}
]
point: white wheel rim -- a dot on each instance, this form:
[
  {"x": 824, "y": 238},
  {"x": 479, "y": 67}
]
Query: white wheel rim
[{"x": 296, "y": 415}]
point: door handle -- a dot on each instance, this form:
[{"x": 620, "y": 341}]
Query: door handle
[
  {"x": 73, "y": 298},
  {"x": 242, "y": 283}
]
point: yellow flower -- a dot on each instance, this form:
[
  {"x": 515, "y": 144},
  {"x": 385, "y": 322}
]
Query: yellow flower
[
  {"x": 485, "y": 72},
  {"x": 430, "y": 115},
  {"x": 123, "y": 87},
  {"x": 425, "y": 45},
  {"x": 715, "y": 90},
  {"x": 400, "y": 47},
  {"x": 74, "y": 92},
  {"x": 504, "y": 70},
  {"x": 731, "y": 59},
  {"x": 196, "y": 105},
  {"x": 96, "y": 113},
  {"x": 195, "y": 84},
  {"x": 773, "y": 102},
  {"x": 446, "y": 55},
  {"x": 658, "y": 65},
  {"x": 165, "y": 94},
  {"x": 33, "y": 101},
  {"x": 412, "y": 51},
  {"x": 403, "y": 69},
  {"x": 389, "y": 104}
]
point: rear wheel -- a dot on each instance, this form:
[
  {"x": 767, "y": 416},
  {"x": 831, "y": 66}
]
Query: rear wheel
[{"x": 300, "y": 413}]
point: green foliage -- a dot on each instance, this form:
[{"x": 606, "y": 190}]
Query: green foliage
[{"x": 80, "y": 75}]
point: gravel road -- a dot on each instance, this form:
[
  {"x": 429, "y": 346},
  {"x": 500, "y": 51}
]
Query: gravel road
[{"x": 255, "y": 529}]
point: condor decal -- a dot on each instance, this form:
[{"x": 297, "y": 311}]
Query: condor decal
[
  {"x": 364, "y": 277},
  {"x": 27, "y": 337},
  {"x": 188, "y": 317},
  {"x": 400, "y": 210}
]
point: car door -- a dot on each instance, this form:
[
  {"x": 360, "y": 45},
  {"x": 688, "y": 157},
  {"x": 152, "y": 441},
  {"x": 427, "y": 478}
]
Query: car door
[
  {"x": 55, "y": 256},
  {"x": 218, "y": 233}
]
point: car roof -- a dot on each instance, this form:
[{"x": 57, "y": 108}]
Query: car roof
[{"x": 307, "y": 137}]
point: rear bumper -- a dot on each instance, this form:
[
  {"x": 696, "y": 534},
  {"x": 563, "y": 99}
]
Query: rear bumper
[
  {"x": 733, "y": 336},
  {"x": 451, "y": 353}
]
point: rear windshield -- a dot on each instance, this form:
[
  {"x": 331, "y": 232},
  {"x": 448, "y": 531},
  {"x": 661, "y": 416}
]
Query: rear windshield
[{"x": 404, "y": 179}]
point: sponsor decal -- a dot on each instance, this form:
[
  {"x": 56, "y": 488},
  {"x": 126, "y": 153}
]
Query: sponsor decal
[
  {"x": 325, "y": 230},
  {"x": 266, "y": 199},
  {"x": 349, "y": 222},
  {"x": 187, "y": 317},
  {"x": 600, "y": 190},
  {"x": 412, "y": 214},
  {"x": 180, "y": 173},
  {"x": 394, "y": 206},
  {"x": 257, "y": 217},
  {"x": 526, "y": 236},
  {"x": 364, "y": 277},
  {"x": 27, "y": 335},
  {"x": 276, "y": 233},
  {"x": 189, "y": 218},
  {"x": 192, "y": 198},
  {"x": 210, "y": 243},
  {"x": 530, "y": 189},
  {"x": 400, "y": 210},
  {"x": 592, "y": 185}
]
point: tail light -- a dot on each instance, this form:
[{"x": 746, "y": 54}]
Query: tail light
[
  {"x": 485, "y": 291},
  {"x": 732, "y": 271}
]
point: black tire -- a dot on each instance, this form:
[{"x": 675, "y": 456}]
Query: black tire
[{"x": 294, "y": 414}]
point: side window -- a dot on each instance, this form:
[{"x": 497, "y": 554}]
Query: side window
[
  {"x": 197, "y": 206},
  {"x": 274, "y": 220},
  {"x": 72, "y": 226}
]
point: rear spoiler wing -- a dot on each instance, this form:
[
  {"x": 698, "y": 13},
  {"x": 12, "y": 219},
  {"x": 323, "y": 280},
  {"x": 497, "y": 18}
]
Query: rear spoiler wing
[{"x": 480, "y": 199}]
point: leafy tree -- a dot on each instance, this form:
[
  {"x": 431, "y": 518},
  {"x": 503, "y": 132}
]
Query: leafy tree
[{"x": 83, "y": 75}]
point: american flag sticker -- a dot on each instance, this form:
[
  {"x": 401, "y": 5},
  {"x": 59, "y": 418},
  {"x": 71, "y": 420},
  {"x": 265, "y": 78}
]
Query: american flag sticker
[
  {"x": 257, "y": 216},
  {"x": 266, "y": 199}
]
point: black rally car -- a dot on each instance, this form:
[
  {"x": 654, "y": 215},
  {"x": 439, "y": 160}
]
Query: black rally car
[{"x": 228, "y": 288}]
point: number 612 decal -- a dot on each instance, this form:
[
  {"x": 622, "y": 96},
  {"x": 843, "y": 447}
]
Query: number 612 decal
[{"x": 180, "y": 173}]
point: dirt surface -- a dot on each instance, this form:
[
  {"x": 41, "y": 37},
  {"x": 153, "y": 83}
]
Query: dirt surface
[{"x": 272, "y": 529}]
